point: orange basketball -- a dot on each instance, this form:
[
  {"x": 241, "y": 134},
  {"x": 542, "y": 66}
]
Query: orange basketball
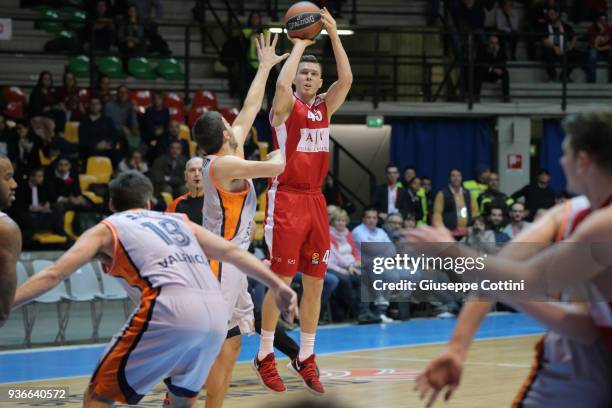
[{"x": 303, "y": 20}]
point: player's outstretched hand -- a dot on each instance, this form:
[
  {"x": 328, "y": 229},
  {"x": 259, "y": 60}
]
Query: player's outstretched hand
[
  {"x": 443, "y": 372},
  {"x": 329, "y": 22},
  {"x": 266, "y": 51},
  {"x": 286, "y": 301},
  {"x": 305, "y": 41}
]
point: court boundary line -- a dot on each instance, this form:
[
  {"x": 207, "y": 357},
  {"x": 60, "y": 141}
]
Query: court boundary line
[{"x": 321, "y": 354}]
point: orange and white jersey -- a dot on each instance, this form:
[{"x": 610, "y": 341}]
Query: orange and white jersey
[
  {"x": 154, "y": 249},
  {"x": 226, "y": 213}
]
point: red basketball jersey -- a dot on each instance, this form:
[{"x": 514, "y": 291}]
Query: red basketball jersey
[{"x": 304, "y": 139}]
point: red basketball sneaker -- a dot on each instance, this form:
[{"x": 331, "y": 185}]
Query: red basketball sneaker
[
  {"x": 268, "y": 374},
  {"x": 309, "y": 372}
]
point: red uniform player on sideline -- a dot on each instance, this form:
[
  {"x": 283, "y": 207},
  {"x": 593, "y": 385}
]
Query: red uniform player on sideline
[{"x": 296, "y": 230}]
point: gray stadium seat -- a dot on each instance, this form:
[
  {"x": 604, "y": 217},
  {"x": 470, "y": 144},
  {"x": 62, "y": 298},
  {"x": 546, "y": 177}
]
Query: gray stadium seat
[
  {"x": 57, "y": 296},
  {"x": 84, "y": 287},
  {"x": 22, "y": 276}
]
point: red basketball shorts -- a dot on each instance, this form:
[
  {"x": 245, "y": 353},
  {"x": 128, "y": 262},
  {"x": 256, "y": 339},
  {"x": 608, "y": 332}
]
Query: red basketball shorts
[{"x": 297, "y": 232}]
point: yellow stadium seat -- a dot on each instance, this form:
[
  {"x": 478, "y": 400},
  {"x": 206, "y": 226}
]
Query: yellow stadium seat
[
  {"x": 259, "y": 216},
  {"x": 167, "y": 198},
  {"x": 261, "y": 202},
  {"x": 85, "y": 180},
  {"x": 185, "y": 133},
  {"x": 71, "y": 132},
  {"x": 259, "y": 232},
  {"x": 193, "y": 148},
  {"x": 263, "y": 149},
  {"x": 101, "y": 168},
  {"x": 68, "y": 220},
  {"x": 45, "y": 161},
  {"x": 254, "y": 135},
  {"x": 49, "y": 238}
]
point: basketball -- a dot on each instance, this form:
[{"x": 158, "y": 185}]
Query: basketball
[{"x": 303, "y": 20}]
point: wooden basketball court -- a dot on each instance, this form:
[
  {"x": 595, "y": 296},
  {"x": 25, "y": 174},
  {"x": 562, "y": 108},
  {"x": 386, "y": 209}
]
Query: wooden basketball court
[{"x": 368, "y": 378}]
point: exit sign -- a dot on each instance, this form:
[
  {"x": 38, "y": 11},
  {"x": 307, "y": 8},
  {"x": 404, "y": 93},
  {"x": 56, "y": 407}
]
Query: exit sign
[{"x": 375, "y": 121}]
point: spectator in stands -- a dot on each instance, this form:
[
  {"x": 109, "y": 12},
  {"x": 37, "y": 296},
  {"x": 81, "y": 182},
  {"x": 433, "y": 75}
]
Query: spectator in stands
[
  {"x": 134, "y": 161},
  {"x": 68, "y": 100},
  {"x": 393, "y": 227},
  {"x": 496, "y": 224},
  {"x": 363, "y": 233},
  {"x": 43, "y": 99},
  {"x": 103, "y": 89},
  {"x": 390, "y": 198},
  {"x": 174, "y": 135},
  {"x": 479, "y": 238},
  {"x": 103, "y": 27},
  {"x": 4, "y": 137},
  {"x": 470, "y": 18},
  {"x": 167, "y": 173},
  {"x": 63, "y": 186},
  {"x": 32, "y": 209},
  {"x": 428, "y": 194},
  {"x": 407, "y": 176},
  {"x": 192, "y": 201},
  {"x": 517, "y": 220},
  {"x": 492, "y": 197},
  {"x": 491, "y": 67},
  {"x": 414, "y": 204},
  {"x": 559, "y": 39},
  {"x": 507, "y": 24},
  {"x": 600, "y": 46},
  {"x": 334, "y": 196},
  {"x": 345, "y": 264},
  {"x": 20, "y": 147},
  {"x": 537, "y": 195},
  {"x": 410, "y": 222},
  {"x": 122, "y": 113},
  {"x": 454, "y": 206},
  {"x": 97, "y": 135},
  {"x": 46, "y": 146},
  {"x": 130, "y": 35},
  {"x": 156, "y": 122},
  {"x": 150, "y": 12}
]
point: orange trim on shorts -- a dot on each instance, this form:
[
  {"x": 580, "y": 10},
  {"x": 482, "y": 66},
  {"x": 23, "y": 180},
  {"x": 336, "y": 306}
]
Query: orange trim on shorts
[
  {"x": 535, "y": 367},
  {"x": 215, "y": 267}
]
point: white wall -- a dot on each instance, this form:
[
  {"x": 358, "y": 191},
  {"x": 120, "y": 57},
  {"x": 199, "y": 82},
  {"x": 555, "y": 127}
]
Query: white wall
[{"x": 370, "y": 146}]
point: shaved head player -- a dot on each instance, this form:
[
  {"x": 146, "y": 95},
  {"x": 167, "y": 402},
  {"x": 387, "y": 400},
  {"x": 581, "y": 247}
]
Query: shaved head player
[
  {"x": 10, "y": 237},
  {"x": 296, "y": 227}
]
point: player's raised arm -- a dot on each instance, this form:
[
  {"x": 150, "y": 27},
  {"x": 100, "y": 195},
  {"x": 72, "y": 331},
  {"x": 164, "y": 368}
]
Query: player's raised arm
[
  {"x": 283, "y": 98},
  {"x": 216, "y": 247},
  {"x": 228, "y": 168},
  {"x": 266, "y": 53},
  {"x": 337, "y": 92},
  {"x": 84, "y": 249},
  {"x": 9, "y": 254}
]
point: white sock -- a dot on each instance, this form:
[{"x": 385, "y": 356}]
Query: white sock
[
  {"x": 306, "y": 345},
  {"x": 266, "y": 344}
]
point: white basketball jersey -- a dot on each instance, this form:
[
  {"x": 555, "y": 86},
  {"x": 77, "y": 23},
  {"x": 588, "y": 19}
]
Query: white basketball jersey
[
  {"x": 225, "y": 213},
  {"x": 155, "y": 249}
]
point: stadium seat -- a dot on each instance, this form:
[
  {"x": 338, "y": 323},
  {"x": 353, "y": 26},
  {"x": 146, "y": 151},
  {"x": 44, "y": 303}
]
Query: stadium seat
[
  {"x": 71, "y": 132},
  {"x": 56, "y": 296},
  {"x": 79, "y": 66},
  {"x": 49, "y": 238},
  {"x": 68, "y": 224},
  {"x": 112, "y": 290},
  {"x": 111, "y": 67},
  {"x": 22, "y": 276},
  {"x": 177, "y": 114},
  {"x": 49, "y": 20},
  {"x": 169, "y": 68},
  {"x": 193, "y": 148},
  {"x": 47, "y": 160},
  {"x": 195, "y": 113},
  {"x": 141, "y": 100},
  {"x": 263, "y": 149},
  {"x": 259, "y": 232},
  {"x": 185, "y": 132},
  {"x": 140, "y": 68},
  {"x": 206, "y": 99},
  {"x": 229, "y": 114},
  {"x": 76, "y": 18},
  {"x": 167, "y": 198},
  {"x": 261, "y": 201},
  {"x": 259, "y": 216},
  {"x": 16, "y": 102},
  {"x": 84, "y": 95},
  {"x": 85, "y": 180},
  {"x": 100, "y": 167},
  {"x": 84, "y": 287}
]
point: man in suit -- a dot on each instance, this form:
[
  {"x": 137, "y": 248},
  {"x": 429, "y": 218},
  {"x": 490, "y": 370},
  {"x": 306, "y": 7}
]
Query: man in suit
[{"x": 390, "y": 198}]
